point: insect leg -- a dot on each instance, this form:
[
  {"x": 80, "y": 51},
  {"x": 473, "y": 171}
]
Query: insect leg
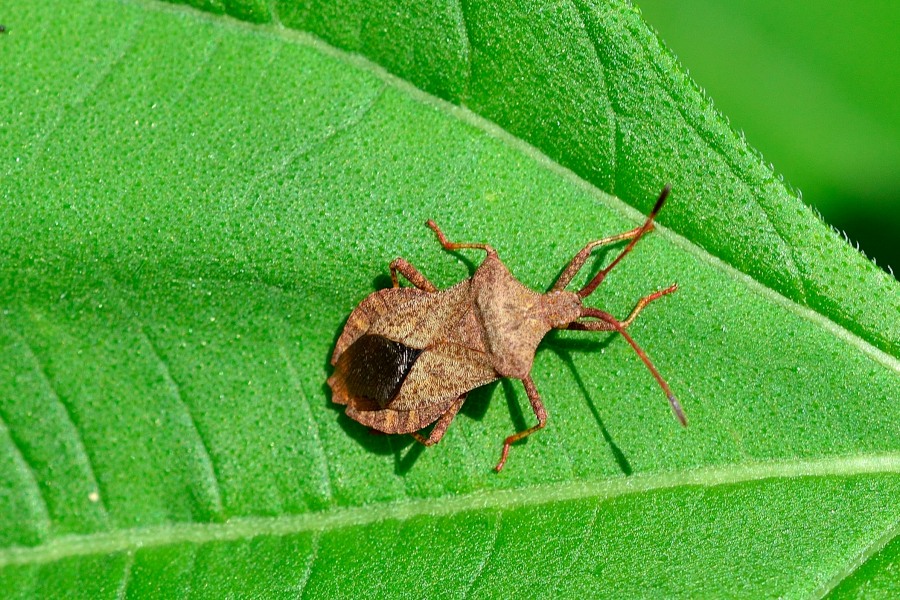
[
  {"x": 607, "y": 322},
  {"x": 579, "y": 259},
  {"x": 647, "y": 226},
  {"x": 647, "y": 300},
  {"x": 606, "y": 326},
  {"x": 411, "y": 273},
  {"x": 539, "y": 411},
  {"x": 456, "y": 245},
  {"x": 440, "y": 428}
]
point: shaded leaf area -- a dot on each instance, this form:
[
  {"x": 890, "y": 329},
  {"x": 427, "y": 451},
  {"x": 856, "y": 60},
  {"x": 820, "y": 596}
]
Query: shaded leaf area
[
  {"x": 878, "y": 577},
  {"x": 597, "y": 546},
  {"x": 589, "y": 84},
  {"x": 192, "y": 206}
]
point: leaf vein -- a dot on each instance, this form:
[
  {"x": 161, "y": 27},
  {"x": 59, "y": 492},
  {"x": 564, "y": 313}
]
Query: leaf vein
[
  {"x": 330, "y": 134},
  {"x": 611, "y": 114},
  {"x": 504, "y": 499},
  {"x": 38, "y": 502},
  {"x": 498, "y": 522},
  {"x": 86, "y": 91},
  {"x": 468, "y": 49},
  {"x": 205, "y": 457},
  {"x": 294, "y": 377},
  {"x": 307, "y": 573},
  {"x": 273, "y": 13},
  {"x": 858, "y": 560},
  {"x": 576, "y": 555},
  {"x": 80, "y": 446},
  {"x": 122, "y": 591}
]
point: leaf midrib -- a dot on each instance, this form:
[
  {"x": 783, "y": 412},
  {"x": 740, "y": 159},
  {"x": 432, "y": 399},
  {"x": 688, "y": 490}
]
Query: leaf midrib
[{"x": 131, "y": 539}]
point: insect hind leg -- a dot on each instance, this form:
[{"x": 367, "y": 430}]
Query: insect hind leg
[
  {"x": 539, "y": 411},
  {"x": 412, "y": 274},
  {"x": 440, "y": 427}
]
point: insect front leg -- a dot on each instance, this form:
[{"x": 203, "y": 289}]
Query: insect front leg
[
  {"x": 448, "y": 245},
  {"x": 607, "y": 326},
  {"x": 440, "y": 428},
  {"x": 412, "y": 274},
  {"x": 539, "y": 411}
]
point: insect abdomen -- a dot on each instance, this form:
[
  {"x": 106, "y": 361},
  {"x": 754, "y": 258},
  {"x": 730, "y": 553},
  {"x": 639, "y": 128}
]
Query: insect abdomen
[{"x": 374, "y": 367}]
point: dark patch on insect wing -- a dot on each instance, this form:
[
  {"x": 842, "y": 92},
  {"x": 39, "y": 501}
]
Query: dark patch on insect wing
[
  {"x": 2, "y": 28},
  {"x": 374, "y": 367}
]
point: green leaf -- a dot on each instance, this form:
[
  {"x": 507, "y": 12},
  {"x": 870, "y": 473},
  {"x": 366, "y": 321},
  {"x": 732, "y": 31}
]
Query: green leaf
[
  {"x": 814, "y": 100},
  {"x": 191, "y": 206},
  {"x": 589, "y": 85}
]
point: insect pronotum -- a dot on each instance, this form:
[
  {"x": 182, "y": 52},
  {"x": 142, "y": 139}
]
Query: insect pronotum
[{"x": 408, "y": 356}]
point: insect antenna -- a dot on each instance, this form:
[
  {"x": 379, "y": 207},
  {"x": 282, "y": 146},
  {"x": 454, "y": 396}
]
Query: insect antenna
[
  {"x": 607, "y": 321},
  {"x": 648, "y": 225}
]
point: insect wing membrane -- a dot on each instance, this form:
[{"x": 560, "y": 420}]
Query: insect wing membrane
[{"x": 375, "y": 367}]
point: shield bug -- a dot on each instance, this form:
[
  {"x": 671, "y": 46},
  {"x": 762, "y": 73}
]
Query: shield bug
[{"x": 408, "y": 356}]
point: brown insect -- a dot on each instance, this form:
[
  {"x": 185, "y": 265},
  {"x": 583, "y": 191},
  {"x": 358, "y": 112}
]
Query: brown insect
[{"x": 408, "y": 356}]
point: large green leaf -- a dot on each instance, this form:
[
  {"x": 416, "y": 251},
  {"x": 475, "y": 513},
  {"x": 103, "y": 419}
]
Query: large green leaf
[
  {"x": 816, "y": 101},
  {"x": 589, "y": 85},
  {"x": 191, "y": 206}
]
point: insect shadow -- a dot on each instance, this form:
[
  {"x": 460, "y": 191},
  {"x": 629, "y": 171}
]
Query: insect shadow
[
  {"x": 563, "y": 348},
  {"x": 476, "y": 405},
  {"x": 407, "y": 452}
]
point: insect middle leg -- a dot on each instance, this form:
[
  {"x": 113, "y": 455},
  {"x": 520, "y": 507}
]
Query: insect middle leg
[
  {"x": 412, "y": 274},
  {"x": 440, "y": 428},
  {"x": 539, "y": 411}
]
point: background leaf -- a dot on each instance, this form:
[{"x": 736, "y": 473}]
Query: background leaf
[
  {"x": 192, "y": 206},
  {"x": 813, "y": 85}
]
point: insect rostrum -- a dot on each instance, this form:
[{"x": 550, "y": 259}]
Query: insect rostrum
[{"x": 409, "y": 355}]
